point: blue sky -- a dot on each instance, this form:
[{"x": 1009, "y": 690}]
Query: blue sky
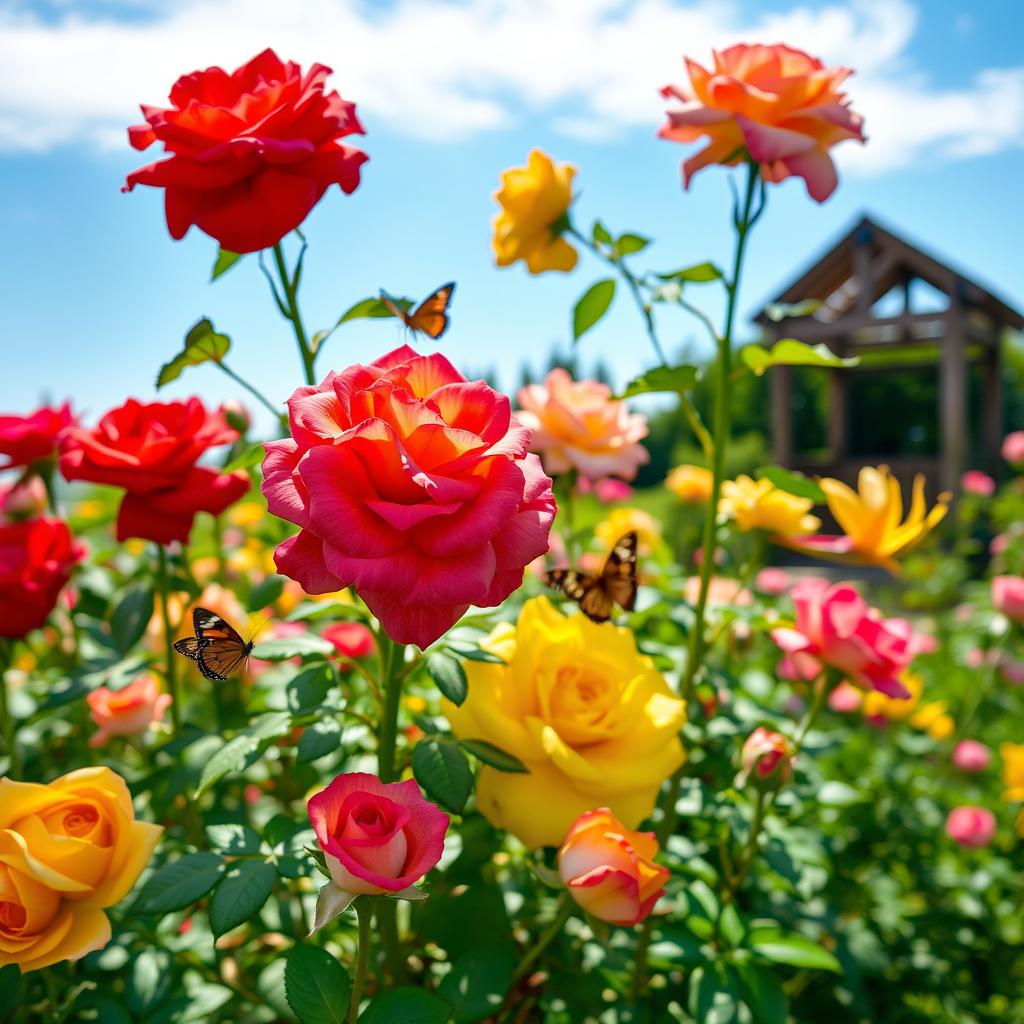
[{"x": 97, "y": 296}]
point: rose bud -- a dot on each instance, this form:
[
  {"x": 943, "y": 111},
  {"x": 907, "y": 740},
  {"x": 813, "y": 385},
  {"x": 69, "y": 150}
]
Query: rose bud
[
  {"x": 767, "y": 758},
  {"x": 25, "y": 499},
  {"x": 610, "y": 870},
  {"x": 971, "y": 756},
  {"x": 238, "y": 416},
  {"x": 376, "y": 838},
  {"x": 1008, "y": 596},
  {"x": 129, "y": 711},
  {"x": 971, "y": 827},
  {"x": 350, "y": 639}
]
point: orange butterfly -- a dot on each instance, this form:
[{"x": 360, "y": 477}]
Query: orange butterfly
[
  {"x": 430, "y": 317},
  {"x": 598, "y": 595},
  {"x": 216, "y": 648}
]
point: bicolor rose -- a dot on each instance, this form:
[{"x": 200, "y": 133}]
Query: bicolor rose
[{"x": 767, "y": 759}]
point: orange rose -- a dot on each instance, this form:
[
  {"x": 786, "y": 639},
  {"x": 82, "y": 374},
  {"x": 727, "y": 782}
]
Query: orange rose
[
  {"x": 130, "y": 711},
  {"x": 610, "y": 870},
  {"x": 779, "y": 106},
  {"x": 68, "y": 850}
]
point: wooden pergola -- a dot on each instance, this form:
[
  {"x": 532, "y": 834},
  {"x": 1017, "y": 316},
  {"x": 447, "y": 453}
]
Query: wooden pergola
[{"x": 867, "y": 264}]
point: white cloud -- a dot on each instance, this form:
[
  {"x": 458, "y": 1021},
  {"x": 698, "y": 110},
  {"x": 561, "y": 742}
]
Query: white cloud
[{"x": 444, "y": 69}]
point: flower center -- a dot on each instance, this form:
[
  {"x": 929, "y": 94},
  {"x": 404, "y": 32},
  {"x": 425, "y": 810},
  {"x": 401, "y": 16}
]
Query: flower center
[
  {"x": 79, "y": 820},
  {"x": 12, "y": 917}
]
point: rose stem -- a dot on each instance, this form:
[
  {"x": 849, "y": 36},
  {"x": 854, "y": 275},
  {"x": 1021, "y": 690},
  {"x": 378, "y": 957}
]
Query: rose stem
[
  {"x": 6, "y": 720},
  {"x": 290, "y": 308},
  {"x": 364, "y": 911},
  {"x": 163, "y": 586},
  {"x": 392, "y": 658},
  {"x": 553, "y": 930}
]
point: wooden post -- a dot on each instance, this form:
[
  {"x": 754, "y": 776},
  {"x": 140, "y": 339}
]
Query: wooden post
[
  {"x": 838, "y": 411},
  {"x": 953, "y": 397},
  {"x": 992, "y": 404},
  {"x": 782, "y": 408}
]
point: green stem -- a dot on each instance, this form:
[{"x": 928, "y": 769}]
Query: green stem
[
  {"x": 364, "y": 911},
  {"x": 565, "y": 911},
  {"x": 761, "y": 804},
  {"x": 290, "y": 307},
  {"x": 10, "y": 730},
  {"x": 163, "y": 587},
  {"x": 255, "y": 392},
  {"x": 744, "y": 220}
]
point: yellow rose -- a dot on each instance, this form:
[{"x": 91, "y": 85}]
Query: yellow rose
[
  {"x": 1013, "y": 770},
  {"x": 534, "y": 200},
  {"x": 589, "y": 716},
  {"x": 67, "y": 851},
  {"x": 760, "y": 505},
  {"x": 621, "y": 520},
  {"x": 933, "y": 719},
  {"x": 691, "y": 484}
]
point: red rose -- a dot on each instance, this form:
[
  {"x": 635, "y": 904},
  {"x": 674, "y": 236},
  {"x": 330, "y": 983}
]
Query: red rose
[
  {"x": 28, "y": 439},
  {"x": 151, "y": 451},
  {"x": 350, "y": 639},
  {"x": 412, "y": 485},
  {"x": 36, "y": 558},
  {"x": 252, "y": 152}
]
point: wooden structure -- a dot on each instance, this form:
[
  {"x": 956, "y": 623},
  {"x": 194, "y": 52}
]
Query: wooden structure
[{"x": 963, "y": 327}]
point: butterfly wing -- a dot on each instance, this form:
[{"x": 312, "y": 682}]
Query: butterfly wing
[
  {"x": 394, "y": 309},
  {"x": 210, "y": 626},
  {"x": 189, "y": 647},
  {"x": 431, "y": 315},
  {"x": 583, "y": 588},
  {"x": 221, "y": 658},
  {"x": 618, "y": 577}
]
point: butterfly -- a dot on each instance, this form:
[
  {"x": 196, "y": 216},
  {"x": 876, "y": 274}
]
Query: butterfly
[
  {"x": 430, "y": 317},
  {"x": 598, "y": 595},
  {"x": 216, "y": 648}
]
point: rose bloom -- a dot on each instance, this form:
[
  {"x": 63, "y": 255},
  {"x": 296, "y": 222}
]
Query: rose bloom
[
  {"x": 36, "y": 559},
  {"x": 976, "y": 482},
  {"x": 33, "y": 438},
  {"x": 1012, "y": 755},
  {"x": 412, "y": 485},
  {"x": 845, "y": 698},
  {"x": 1013, "y": 447},
  {"x": 767, "y": 759},
  {"x": 376, "y": 837},
  {"x": 971, "y": 756},
  {"x": 24, "y": 499},
  {"x": 971, "y": 827},
  {"x": 251, "y": 152},
  {"x": 1008, "y": 596},
  {"x": 534, "y": 203},
  {"x": 835, "y": 627},
  {"x": 151, "y": 450},
  {"x": 577, "y": 425},
  {"x": 621, "y": 521},
  {"x": 779, "y": 105},
  {"x": 609, "y": 870},
  {"x": 130, "y": 711},
  {"x": 68, "y": 850},
  {"x": 350, "y": 639},
  {"x": 872, "y": 518},
  {"x": 691, "y": 484},
  {"x": 772, "y": 581},
  {"x": 760, "y": 505},
  {"x": 589, "y": 716},
  {"x": 607, "y": 490}
]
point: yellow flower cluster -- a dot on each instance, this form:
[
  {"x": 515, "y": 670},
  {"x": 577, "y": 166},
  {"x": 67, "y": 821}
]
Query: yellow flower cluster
[{"x": 760, "y": 505}]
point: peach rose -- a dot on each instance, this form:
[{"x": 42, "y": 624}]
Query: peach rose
[
  {"x": 578, "y": 425},
  {"x": 610, "y": 870},
  {"x": 1008, "y": 596},
  {"x": 779, "y": 106},
  {"x": 68, "y": 850},
  {"x": 128, "y": 711}
]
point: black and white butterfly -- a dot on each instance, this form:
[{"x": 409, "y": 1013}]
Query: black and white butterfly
[
  {"x": 614, "y": 585},
  {"x": 216, "y": 648}
]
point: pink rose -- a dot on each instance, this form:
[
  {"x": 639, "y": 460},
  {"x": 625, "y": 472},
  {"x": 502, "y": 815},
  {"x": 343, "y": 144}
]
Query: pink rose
[
  {"x": 845, "y": 698},
  {"x": 976, "y": 482},
  {"x": 767, "y": 758},
  {"x": 1008, "y": 596},
  {"x": 971, "y": 827},
  {"x": 974, "y": 658},
  {"x": 350, "y": 639},
  {"x": 835, "y": 627},
  {"x": 376, "y": 837},
  {"x": 412, "y": 485},
  {"x": 772, "y": 581},
  {"x": 578, "y": 425},
  {"x": 607, "y": 490},
  {"x": 971, "y": 756},
  {"x": 1013, "y": 447},
  {"x": 129, "y": 711}
]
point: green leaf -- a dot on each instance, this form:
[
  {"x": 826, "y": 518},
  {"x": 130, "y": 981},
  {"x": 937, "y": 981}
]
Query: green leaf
[
  {"x": 287, "y": 647},
  {"x": 662, "y": 378},
  {"x": 449, "y": 676},
  {"x": 837, "y": 794},
  {"x": 130, "y": 618},
  {"x": 233, "y": 839},
  {"x": 794, "y": 483},
  {"x": 493, "y": 756},
  {"x": 246, "y": 887},
  {"x": 10, "y": 987},
  {"x": 791, "y": 310},
  {"x": 406, "y": 1006},
  {"x": 592, "y": 305},
  {"x": 252, "y": 456},
  {"x": 699, "y": 273},
  {"x": 308, "y": 690},
  {"x": 318, "y": 740},
  {"x": 148, "y": 981},
  {"x": 372, "y": 309},
  {"x": 224, "y": 262},
  {"x": 478, "y": 982},
  {"x": 762, "y": 993},
  {"x": 316, "y": 987},
  {"x": 267, "y": 591},
  {"x": 443, "y": 771},
  {"x": 600, "y": 234},
  {"x": 202, "y": 344},
  {"x": 791, "y": 948},
  {"x": 790, "y": 352},
  {"x": 713, "y": 994},
  {"x": 477, "y": 654},
  {"x": 627, "y": 244},
  {"x": 240, "y": 751},
  {"x": 179, "y": 884}
]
